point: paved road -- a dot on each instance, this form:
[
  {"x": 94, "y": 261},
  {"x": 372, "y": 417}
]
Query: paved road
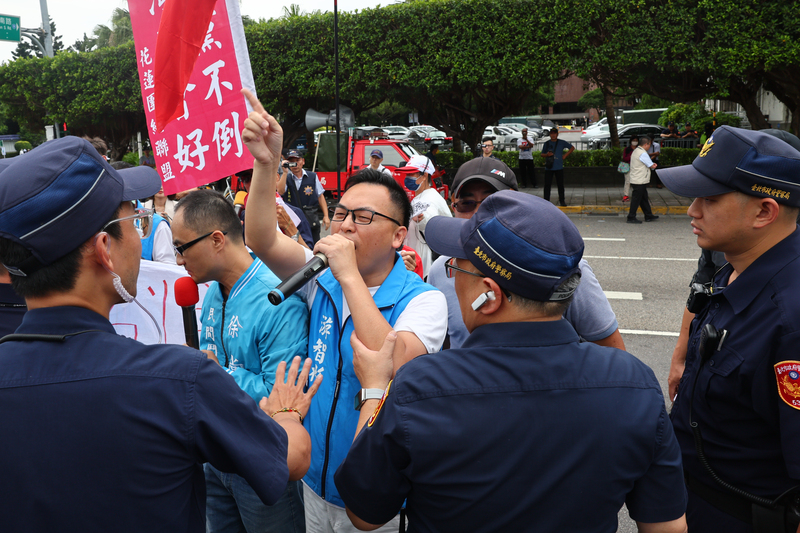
[{"x": 653, "y": 262}]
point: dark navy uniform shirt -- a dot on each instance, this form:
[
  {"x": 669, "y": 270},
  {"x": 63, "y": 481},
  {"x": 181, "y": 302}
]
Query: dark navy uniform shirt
[
  {"x": 12, "y": 309},
  {"x": 747, "y": 398},
  {"x": 521, "y": 429},
  {"x": 103, "y": 433}
]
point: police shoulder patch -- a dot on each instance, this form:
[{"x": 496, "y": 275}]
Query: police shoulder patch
[
  {"x": 380, "y": 405},
  {"x": 788, "y": 375}
]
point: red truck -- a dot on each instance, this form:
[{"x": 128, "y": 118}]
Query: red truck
[{"x": 354, "y": 152}]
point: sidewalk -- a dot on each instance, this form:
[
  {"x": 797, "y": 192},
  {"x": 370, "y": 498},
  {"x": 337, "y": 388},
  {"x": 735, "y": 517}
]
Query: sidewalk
[{"x": 602, "y": 200}]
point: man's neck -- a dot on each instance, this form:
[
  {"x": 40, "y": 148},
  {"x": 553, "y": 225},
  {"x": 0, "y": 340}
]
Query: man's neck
[
  {"x": 235, "y": 267},
  {"x": 298, "y": 175},
  {"x": 741, "y": 261}
]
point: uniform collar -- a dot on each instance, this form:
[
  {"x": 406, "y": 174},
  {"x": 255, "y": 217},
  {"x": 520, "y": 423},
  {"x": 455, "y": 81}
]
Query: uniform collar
[
  {"x": 388, "y": 292},
  {"x": 752, "y": 281},
  {"x": 522, "y": 334},
  {"x": 245, "y": 278},
  {"x": 63, "y": 320},
  {"x": 8, "y": 296}
]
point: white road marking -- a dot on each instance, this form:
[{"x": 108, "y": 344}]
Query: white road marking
[
  {"x": 646, "y": 332},
  {"x": 616, "y": 295},
  {"x": 603, "y": 239},
  {"x": 694, "y": 260}
]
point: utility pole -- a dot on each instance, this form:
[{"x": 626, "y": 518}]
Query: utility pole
[{"x": 48, "y": 36}]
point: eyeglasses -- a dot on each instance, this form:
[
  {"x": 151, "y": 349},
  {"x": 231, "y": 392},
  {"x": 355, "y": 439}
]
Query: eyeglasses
[
  {"x": 362, "y": 217},
  {"x": 450, "y": 268},
  {"x": 179, "y": 250},
  {"x": 143, "y": 221},
  {"x": 466, "y": 206}
]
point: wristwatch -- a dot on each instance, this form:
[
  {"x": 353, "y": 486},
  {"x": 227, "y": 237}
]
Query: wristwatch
[
  {"x": 295, "y": 237},
  {"x": 367, "y": 394}
]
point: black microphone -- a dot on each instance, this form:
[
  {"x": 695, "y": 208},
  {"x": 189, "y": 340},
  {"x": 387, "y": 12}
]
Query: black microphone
[
  {"x": 187, "y": 296},
  {"x": 291, "y": 284}
]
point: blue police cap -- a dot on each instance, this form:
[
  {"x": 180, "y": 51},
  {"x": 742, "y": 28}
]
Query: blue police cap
[
  {"x": 523, "y": 242},
  {"x": 55, "y": 197},
  {"x": 733, "y": 159}
]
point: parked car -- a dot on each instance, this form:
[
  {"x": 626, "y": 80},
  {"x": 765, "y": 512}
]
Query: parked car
[
  {"x": 625, "y": 134},
  {"x": 535, "y": 127},
  {"x": 603, "y": 130},
  {"x": 505, "y": 138},
  {"x": 424, "y": 137},
  {"x": 533, "y": 134},
  {"x": 599, "y": 124},
  {"x": 397, "y": 132}
]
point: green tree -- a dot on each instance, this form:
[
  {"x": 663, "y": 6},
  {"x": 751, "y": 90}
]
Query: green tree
[
  {"x": 594, "y": 99},
  {"x": 119, "y": 33},
  {"x": 27, "y": 49},
  {"x": 86, "y": 44}
]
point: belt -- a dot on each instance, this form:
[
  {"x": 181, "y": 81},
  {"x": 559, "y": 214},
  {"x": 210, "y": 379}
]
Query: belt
[{"x": 764, "y": 519}]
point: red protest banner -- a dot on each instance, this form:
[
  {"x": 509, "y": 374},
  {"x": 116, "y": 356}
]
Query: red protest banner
[{"x": 203, "y": 144}]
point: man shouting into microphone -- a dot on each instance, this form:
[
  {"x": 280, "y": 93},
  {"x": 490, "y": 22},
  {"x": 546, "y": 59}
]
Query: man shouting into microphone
[
  {"x": 367, "y": 290},
  {"x": 246, "y": 336}
]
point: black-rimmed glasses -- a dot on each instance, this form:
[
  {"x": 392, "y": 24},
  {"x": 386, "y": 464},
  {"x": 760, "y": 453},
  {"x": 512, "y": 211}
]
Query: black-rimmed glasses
[
  {"x": 179, "y": 250},
  {"x": 362, "y": 217},
  {"x": 466, "y": 206},
  {"x": 142, "y": 220},
  {"x": 450, "y": 268}
]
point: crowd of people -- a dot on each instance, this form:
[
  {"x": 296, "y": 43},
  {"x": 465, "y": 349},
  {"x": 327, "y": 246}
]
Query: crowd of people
[{"x": 448, "y": 371}]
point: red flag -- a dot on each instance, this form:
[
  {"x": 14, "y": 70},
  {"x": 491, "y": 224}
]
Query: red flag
[{"x": 180, "y": 37}]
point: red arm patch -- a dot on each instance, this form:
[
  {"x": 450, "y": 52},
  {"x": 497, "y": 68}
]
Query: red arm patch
[
  {"x": 788, "y": 375},
  {"x": 383, "y": 399}
]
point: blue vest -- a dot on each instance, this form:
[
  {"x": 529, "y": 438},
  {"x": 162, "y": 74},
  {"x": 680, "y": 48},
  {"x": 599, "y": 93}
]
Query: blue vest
[
  {"x": 147, "y": 244},
  {"x": 307, "y": 195},
  {"x": 331, "y": 421}
]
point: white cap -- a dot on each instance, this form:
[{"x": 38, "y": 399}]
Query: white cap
[{"x": 418, "y": 163}]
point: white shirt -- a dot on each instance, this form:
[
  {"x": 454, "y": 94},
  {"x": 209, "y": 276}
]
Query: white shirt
[
  {"x": 163, "y": 252},
  {"x": 425, "y": 315},
  {"x": 383, "y": 169},
  {"x": 528, "y": 153},
  {"x": 431, "y": 204}
]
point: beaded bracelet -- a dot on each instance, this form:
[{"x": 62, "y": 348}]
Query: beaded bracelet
[{"x": 288, "y": 410}]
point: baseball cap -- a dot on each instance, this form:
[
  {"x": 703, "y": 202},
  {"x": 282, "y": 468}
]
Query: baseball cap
[
  {"x": 531, "y": 259},
  {"x": 733, "y": 159},
  {"x": 293, "y": 153},
  {"x": 418, "y": 163},
  {"x": 553, "y": 130},
  {"x": 377, "y": 153},
  {"x": 671, "y": 123},
  {"x": 61, "y": 193},
  {"x": 785, "y": 136},
  {"x": 488, "y": 169},
  {"x": 688, "y": 124}
]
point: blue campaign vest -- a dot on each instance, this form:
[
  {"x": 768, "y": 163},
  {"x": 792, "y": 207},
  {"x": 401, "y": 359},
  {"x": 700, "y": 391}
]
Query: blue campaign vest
[
  {"x": 302, "y": 198},
  {"x": 147, "y": 244},
  {"x": 329, "y": 347}
]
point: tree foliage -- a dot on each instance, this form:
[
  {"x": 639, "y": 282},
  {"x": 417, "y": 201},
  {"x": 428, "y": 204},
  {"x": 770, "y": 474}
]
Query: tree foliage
[
  {"x": 27, "y": 49},
  {"x": 594, "y": 99}
]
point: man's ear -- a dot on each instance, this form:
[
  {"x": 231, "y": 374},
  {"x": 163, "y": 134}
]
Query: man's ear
[
  {"x": 100, "y": 249},
  {"x": 218, "y": 240},
  {"x": 399, "y": 237},
  {"x": 492, "y": 305},
  {"x": 768, "y": 212}
]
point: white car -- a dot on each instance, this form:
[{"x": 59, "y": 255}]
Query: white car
[
  {"x": 517, "y": 126},
  {"x": 504, "y": 138},
  {"x": 397, "y": 132},
  {"x": 603, "y": 122}
]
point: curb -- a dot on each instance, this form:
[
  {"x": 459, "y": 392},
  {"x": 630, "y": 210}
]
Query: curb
[{"x": 620, "y": 209}]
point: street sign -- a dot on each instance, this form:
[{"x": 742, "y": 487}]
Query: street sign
[{"x": 9, "y": 28}]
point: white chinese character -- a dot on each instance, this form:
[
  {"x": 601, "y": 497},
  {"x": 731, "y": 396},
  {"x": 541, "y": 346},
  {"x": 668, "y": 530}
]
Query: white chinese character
[
  {"x": 211, "y": 314},
  {"x": 209, "y": 40},
  {"x": 212, "y": 348},
  {"x": 153, "y": 125},
  {"x": 213, "y": 87},
  {"x": 166, "y": 172},
  {"x": 315, "y": 371},
  {"x": 162, "y": 148},
  {"x": 183, "y": 154},
  {"x": 223, "y": 135},
  {"x": 210, "y": 333},
  {"x": 234, "y": 326},
  {"x": 325, "y": 327},
  {"x": 153, "y": 5},
  {"x": 149, "y": 82},
  {"x": 319, "y": 351},
  {"x": 144, "y": 57},
  {"x": 189, "y": 87},
  {"x": 151, "y": 102}
]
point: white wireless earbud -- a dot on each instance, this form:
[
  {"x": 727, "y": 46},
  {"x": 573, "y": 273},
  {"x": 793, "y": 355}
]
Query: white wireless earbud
[{"x": 481, "y": 300}]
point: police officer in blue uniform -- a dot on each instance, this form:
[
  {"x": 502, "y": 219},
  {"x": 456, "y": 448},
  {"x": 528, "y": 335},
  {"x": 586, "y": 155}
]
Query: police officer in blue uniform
[
  {"x": 304, "y": 190},
  {"x": 524, "y": 428},
  {"x": 101, "y": 432},
  {"x": 737, "y": 412}
]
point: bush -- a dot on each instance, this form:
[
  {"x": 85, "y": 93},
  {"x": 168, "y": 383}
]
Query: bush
[
  {"x": 132, "y": 158},
  {"x": 606, "y": 158},
  {"x": 22, "y": 145},
  {"x": 675, "y": 157},
  {"x": 452, "y": 159}
]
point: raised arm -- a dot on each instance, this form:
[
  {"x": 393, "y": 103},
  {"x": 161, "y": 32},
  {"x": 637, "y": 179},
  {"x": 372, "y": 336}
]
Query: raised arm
[{"x": 264, "y": 138}]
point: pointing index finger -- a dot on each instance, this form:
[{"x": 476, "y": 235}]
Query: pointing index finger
[{"x": 254, "y": 103}]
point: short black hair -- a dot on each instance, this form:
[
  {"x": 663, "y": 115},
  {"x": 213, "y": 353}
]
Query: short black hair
[
  {"x": 396, "y": 193},
  {"x": 206, "y": 210},
  {"x": 487, "y": 139},
  {"x": 57, "y": 277}
]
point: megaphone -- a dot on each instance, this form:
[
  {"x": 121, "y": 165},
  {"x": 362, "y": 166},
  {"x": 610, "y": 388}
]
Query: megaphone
[{"x": 315, "y": 119}]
